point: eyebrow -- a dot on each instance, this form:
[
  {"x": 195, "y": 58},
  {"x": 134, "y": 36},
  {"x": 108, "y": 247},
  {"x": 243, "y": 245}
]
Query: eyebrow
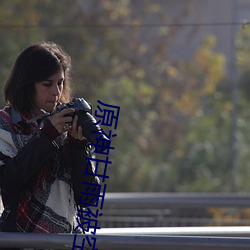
[{"x": 50, "y": 80}]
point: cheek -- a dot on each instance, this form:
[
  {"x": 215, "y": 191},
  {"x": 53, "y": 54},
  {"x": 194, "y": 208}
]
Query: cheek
[
  {"x": 37, "y": 96},
  {"x": 40, "y": 95},
  {"x": 39, "y": 99}
]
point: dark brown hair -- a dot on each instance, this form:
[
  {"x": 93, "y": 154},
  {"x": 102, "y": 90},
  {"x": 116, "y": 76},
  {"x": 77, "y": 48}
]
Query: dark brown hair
[{"x": 34, "y": 64}]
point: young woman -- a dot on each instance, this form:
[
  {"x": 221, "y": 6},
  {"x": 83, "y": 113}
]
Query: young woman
[{"x": 42, "y": 161}]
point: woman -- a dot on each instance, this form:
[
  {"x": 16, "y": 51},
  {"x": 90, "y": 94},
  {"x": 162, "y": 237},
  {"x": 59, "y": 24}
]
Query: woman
[{"x": 42, "y": 160}]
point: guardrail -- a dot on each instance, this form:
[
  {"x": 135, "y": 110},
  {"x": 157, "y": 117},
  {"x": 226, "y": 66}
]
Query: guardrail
[
  {"x": 178, "y": 199},
  {"x": 156, "y": 238},
  {"x": 179, "y": 231},
  {"x": 118, "y": 239},
  {"x": 175, "y": 209}
]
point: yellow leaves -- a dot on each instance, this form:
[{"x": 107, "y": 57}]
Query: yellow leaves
[
  {"x": 28, "y": 13},
  {"x": 226, "y": 109},
  {"x": 163, "y": 31},
  {"x": 139, "y": 73},
  {"x": 143, "y": 48},
  {"x": 146, "y": 92},
  {"x": 172, "y": 71},
  {"x": 155, "y": 8},
  {"x": 213, "y": 72},
  {"x": 117, "y": 8},
  {"x": 228, "y": 216},
  {"x": 242, "y": 46},
  {"x": 132, "y": 87},
  {"x": 197, "y": 78},
  {"x": 188, "y": 103},
  {"x": 209, "y": 42},
  {"x": 209, "y": 64},
  {"x": 242, "y": 59}
]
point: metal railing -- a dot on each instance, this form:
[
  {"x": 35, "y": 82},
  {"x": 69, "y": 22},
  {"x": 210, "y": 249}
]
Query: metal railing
[
  {"x": 179, "y": 231},
  {"x": 175, "y": 209},
  {"x": 121, "y": 240},
  {"x": 153, "y": 208},
  {"x": 178, "y": 199}
]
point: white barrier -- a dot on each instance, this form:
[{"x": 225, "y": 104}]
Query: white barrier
[
  {"x": 138, "y": 239},
  {"x": 179, "y": 231}
]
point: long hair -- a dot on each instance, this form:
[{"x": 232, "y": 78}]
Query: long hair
[{"x": 34, "y": 64}]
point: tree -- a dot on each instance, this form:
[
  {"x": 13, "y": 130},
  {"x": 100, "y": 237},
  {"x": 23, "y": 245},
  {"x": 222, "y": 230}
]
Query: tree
[
  {"x": 243, "y": 139},
  {"x": 18, "y": 21},
  {"x": 168, "y": 132}
]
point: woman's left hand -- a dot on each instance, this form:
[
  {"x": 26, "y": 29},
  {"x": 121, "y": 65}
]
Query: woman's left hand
[{"x": 76, "y": 131}]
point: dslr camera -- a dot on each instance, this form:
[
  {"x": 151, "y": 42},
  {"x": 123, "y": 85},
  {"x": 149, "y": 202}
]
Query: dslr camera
[{"x": 90, "y": 129}]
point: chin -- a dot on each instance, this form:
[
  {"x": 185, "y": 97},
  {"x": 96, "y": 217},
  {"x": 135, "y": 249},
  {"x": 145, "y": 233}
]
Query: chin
[{"x": 50, "y": 108}]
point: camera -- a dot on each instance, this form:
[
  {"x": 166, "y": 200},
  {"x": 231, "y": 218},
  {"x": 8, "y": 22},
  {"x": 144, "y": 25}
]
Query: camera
[{"x": 90, "y": 129}]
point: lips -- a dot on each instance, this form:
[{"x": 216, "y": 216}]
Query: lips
[{"x": 51, "y": 104}]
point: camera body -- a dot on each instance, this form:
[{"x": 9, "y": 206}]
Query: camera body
[
  {"x": 83, "y": 110},
  {"x": 79, "y": 104}
]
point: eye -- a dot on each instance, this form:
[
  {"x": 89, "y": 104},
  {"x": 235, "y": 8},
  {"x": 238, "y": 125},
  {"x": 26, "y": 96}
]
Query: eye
[
  {"x": 60, "y": 83},
  {"x": 47, "y": 83}
]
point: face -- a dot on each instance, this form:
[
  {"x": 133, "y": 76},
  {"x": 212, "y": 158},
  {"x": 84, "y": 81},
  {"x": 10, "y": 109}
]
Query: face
[{"x": 48, "y": 93}]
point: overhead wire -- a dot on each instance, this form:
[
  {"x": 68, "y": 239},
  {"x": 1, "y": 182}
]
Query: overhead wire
[{"x": 121, "y": 25}]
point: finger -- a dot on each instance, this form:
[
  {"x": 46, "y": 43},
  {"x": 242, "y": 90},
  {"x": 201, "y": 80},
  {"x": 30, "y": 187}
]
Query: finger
[
  {"x": 79, "y": 133},
  {"x": 66, "y": 112},
  {"x": 73, "y": 130},
  {"x": 74, "y": 124},
  {"x": 66, "y": 119},
  {"x": 60, "y": 123},
  {"x": 63, "y": 116}
]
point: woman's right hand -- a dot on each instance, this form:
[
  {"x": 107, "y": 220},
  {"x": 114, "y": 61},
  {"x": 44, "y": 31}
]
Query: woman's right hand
[{"x": 59, "y": 120}]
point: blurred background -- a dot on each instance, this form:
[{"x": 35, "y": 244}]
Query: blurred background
[{"x": 180, "y": 72}]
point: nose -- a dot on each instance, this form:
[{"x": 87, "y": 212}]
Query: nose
[{"x": 55, "y": 90}]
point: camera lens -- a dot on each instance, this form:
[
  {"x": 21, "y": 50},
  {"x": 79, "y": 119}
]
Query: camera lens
[{"x": 91, "y": 130}]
